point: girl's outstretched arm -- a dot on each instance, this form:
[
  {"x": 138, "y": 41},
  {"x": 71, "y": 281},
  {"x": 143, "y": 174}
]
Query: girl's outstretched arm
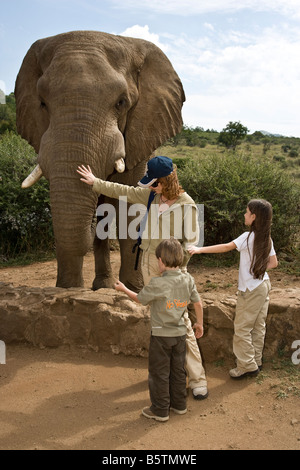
[
  {"x": 222, "y": 248},
  {"x": 273, "y": 262}
]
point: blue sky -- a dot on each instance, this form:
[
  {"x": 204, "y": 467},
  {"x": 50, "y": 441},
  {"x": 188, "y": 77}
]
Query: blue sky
[{"x": 239, "y": 60}]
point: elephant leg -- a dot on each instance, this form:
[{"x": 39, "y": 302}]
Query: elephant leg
[
  {"x": 132, "y": 279},
  {"x": 104, "y": 277},
  {"x": 69, "y": 270},
  {"x": 103, "y": 272}
]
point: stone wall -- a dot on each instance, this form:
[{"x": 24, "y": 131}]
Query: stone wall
[{"x": 107, "y": 320}]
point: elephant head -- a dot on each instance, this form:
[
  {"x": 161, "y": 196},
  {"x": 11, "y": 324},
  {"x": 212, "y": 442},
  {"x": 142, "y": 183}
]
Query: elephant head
[{"x": 92, "y": 98}]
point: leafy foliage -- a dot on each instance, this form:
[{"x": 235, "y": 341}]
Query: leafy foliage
[
  {"x": 25, "y": 219},
  {"x": 232, "y": 134},
  {"x": 194, "y": 137},
  {"x": 8, "y": 115},
  {"x": 226, "y": 183}
]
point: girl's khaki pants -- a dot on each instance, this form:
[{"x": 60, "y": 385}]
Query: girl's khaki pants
[
  {"x": 250, "y": 326},
  {"x": 194, "y": 367}
]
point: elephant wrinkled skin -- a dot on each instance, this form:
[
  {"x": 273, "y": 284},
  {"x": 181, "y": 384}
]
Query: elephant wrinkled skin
[{"x": 93, "y": 98}]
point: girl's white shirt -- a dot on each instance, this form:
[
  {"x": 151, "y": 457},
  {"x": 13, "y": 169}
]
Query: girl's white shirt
[{"x": 246, "y": 279}]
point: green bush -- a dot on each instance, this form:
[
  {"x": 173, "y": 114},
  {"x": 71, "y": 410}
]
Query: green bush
[
  {"x": 8, "y": 115},
  {"x": 226, "y": 183},
  {"x": 25, "y": 218},
  {"x": 293, "y": 153}
]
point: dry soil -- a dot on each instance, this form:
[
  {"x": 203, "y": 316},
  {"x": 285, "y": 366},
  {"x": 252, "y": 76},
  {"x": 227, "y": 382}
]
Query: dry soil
[{"x": 79, "y": 399}]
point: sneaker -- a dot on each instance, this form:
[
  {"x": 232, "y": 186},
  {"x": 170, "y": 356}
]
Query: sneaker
[
  {"x": 238, "y": 374},
  {"x": 179, "y": 412},
  {"x": 200, "y": 393},
  {"x": 148, "y": 414}
]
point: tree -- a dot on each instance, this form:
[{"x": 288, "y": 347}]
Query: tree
[{"x": 232, "y": 134}]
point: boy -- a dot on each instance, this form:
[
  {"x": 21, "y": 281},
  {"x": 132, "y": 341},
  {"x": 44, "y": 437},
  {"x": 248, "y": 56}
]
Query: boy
[{"x": 168, "y": 297}]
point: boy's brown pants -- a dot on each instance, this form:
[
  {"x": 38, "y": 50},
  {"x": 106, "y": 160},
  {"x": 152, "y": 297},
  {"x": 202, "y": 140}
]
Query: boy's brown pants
[{"x": 167, "y": 378}]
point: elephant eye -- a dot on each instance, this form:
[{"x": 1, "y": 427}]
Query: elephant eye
[
  {"x": 121, "y": 104},
  {"x": 43, "y": 105}
]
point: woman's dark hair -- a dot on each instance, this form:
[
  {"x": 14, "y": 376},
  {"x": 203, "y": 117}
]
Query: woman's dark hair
[{"x": 261, "y": 227}]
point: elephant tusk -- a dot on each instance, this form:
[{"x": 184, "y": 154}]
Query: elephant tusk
[
  {"x": 33, "y": 177},
  {"x": 120, "y": 165}
]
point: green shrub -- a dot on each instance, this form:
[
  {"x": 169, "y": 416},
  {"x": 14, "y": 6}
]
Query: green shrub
[
  {"x": 226, "y": 183},
  {"x": 8, "y": 115},
  {"x": 293, "y": 153},
  {"x": 180, "y": 162},
  {"x": 25, "y": 218},
  {"x": 279, "y": 158}
]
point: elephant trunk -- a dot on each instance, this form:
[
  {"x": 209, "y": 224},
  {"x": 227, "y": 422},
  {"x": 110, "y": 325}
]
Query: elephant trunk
[
  {"x": 73, "y": 213},
  {"x": 63, "y": 148},
  {"x": 73, "y": 210}
]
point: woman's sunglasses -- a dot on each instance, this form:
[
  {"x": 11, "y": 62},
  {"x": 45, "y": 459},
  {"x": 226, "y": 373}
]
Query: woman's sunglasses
[{"x": 155, "y": 184}]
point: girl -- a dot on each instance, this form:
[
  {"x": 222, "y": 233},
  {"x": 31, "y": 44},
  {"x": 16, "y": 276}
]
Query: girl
[{"x": 256, "y": 256}]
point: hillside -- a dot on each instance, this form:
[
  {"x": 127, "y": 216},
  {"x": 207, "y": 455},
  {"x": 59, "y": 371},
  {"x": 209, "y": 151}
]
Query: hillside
[{"x": 17, "y": 159}]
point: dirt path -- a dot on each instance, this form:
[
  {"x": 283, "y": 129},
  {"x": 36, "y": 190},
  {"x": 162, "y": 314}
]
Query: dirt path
[{"x": 78, "y": 399}]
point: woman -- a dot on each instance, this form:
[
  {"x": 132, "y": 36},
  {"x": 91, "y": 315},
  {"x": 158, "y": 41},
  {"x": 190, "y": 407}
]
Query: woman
[{"x": 173, "y": 213}]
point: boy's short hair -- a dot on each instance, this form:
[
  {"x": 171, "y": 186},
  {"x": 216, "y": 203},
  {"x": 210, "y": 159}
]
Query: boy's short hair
[{"x": 170, "y": 252}]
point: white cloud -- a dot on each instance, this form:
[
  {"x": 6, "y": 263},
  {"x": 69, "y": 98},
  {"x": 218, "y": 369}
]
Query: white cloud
[
  {"x": 258, "y": 84},
  {"x": 256, "y": 108},
  {"x": 142, "y": 32},
  {"x": 236, "y": 77},
  {"x": 252, "y": 79},
  {"x": 209, "y": 26},
  {"x": 194, "y": 7}
]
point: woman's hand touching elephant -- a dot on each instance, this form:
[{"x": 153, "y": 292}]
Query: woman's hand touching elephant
[{"x": 87, "y": 174}]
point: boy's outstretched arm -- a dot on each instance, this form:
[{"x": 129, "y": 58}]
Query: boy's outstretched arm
[
  {"x": 119, "y": 286},
  {"x": 198, "y": 326}
]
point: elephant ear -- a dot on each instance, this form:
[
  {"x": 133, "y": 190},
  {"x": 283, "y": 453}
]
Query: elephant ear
[
  {"x": 156, "y": 117},
  {"x": 32, "y": 121}
]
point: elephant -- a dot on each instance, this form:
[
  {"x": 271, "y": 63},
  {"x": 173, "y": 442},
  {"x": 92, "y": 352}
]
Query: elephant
[{"x": 93, "y": 98}]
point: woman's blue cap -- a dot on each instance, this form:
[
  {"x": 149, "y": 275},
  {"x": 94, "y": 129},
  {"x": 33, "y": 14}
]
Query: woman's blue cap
[{"x": 158, "y": 167}]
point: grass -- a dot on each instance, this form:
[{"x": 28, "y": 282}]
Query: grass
[
  {"x": 275, "y": 154},
  {"x": 284, "y": 378},
  {"x": 26, "y": 259}
]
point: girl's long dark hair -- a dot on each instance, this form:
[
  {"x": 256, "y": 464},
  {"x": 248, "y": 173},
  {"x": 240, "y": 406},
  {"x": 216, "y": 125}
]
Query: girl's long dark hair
[{"x": 261, "y": 227}]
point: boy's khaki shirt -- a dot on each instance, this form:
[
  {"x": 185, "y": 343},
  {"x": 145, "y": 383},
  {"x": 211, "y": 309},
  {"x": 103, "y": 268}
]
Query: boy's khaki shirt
[{"x": 168, "y": 297}]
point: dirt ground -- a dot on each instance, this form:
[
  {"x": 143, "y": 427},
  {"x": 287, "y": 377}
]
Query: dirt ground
[{"x": 79, "y": 399}]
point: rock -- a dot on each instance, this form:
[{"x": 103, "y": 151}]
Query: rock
[{"x": 108, "y": 320}]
